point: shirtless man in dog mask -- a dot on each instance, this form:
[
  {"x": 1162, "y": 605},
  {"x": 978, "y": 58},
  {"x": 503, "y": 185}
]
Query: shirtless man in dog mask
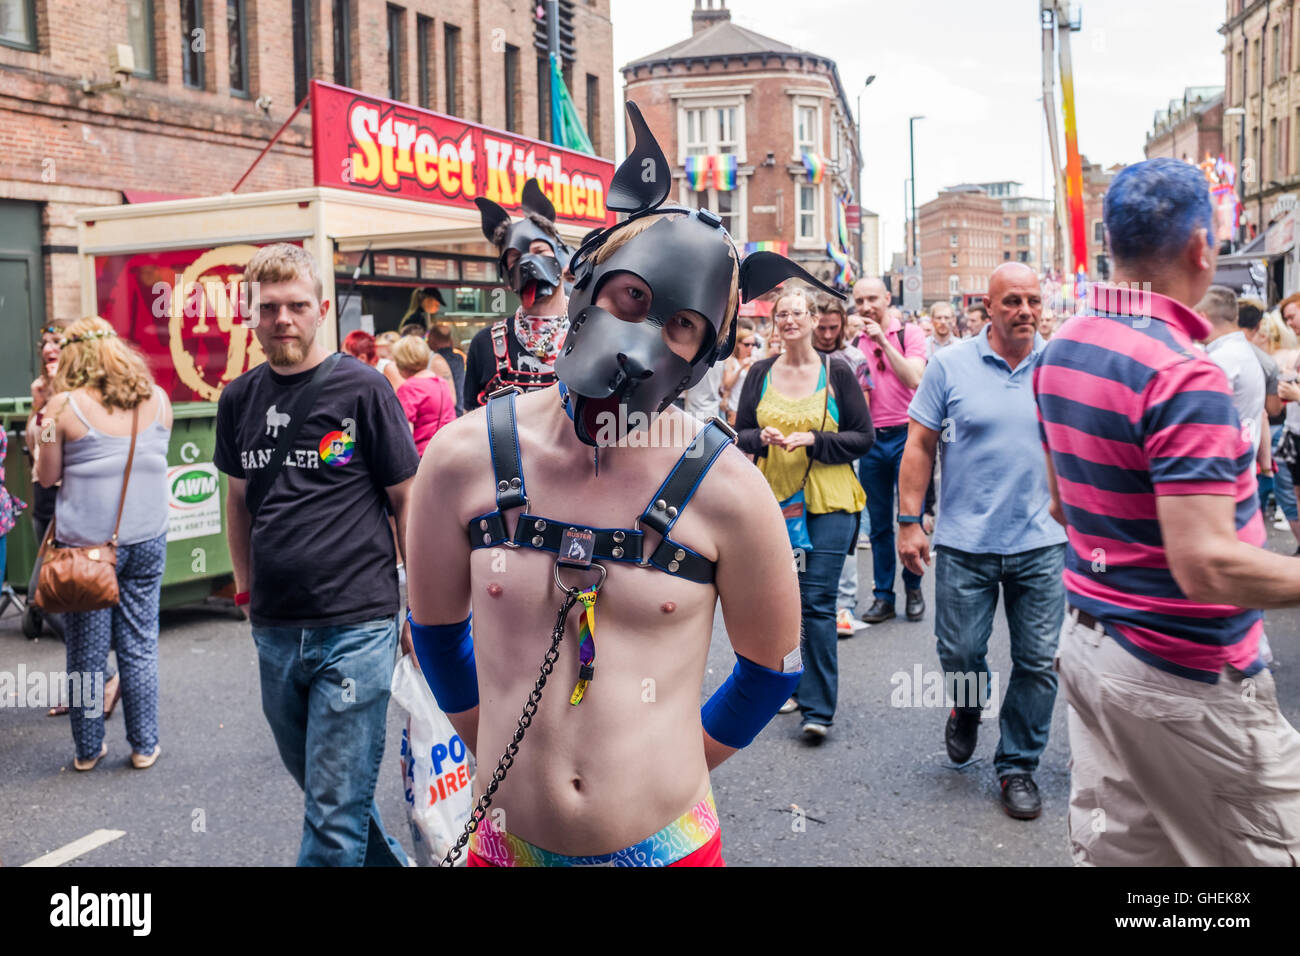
[{"x": 598, "y": 492}]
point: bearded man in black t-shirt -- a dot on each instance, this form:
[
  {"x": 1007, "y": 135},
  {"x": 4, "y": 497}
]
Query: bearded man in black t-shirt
[{"x": 317, "y": 452}]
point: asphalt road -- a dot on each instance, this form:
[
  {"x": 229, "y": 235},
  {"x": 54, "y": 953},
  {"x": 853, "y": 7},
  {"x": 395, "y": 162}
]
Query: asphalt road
[{"x": 879, "y": 791}]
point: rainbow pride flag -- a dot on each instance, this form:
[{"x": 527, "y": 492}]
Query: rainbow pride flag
[
  {"x": 845, "y": 274},
  {"x": 696, "y": 170},
  {"x": 779, "y": 246},
  {"x": 842, "y": 223},
  {"x": 725, "y": 166},
  {"x": 816, "y": 167}
]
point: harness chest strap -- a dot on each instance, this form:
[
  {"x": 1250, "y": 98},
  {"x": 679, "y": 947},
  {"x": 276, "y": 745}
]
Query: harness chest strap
[
  {"x": 507, "y": 375},
  {"x": 610, "y": 544}
]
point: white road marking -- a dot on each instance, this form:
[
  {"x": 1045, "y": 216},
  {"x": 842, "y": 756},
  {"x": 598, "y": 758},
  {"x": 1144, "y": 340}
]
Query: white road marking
[{"x": 77, "y": 848}]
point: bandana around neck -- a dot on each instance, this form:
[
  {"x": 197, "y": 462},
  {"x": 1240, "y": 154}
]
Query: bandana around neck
[{"x": 541, "y": 336}]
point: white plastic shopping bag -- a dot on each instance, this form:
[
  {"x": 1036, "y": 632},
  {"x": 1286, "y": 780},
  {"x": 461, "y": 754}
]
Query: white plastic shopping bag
[{"x": 437, "y": 768}]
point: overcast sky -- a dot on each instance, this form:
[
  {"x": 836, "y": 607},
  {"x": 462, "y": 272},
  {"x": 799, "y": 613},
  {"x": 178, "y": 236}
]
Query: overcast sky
[{"x": 972, "y": 68}]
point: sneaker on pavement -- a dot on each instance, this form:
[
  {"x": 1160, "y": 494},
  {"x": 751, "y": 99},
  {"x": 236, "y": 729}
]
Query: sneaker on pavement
[
  {"x": 1020, "y": 797},
  {"x": 879, "y": 611},
  {"x": 789, "y": 707},
  {"x": 1281, "y": 524},
  {"x": 961, "y": 733},
  {"x": 915, "y": 605},
  {"x": 844, "y": 622},
  {"x": 814, "y": 733}
]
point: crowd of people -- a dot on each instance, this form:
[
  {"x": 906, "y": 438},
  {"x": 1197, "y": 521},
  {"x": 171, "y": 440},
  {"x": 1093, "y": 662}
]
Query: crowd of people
[{"x": 1104, "y": 478}]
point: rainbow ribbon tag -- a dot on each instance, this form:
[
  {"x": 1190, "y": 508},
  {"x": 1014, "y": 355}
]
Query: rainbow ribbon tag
[{"x": 587, "y": 649}]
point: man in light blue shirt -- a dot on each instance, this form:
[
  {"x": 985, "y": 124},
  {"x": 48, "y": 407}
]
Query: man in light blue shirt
[{"x": 976, "y": 402}]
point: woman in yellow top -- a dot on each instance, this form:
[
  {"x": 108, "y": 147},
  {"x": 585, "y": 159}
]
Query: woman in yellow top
[{"x": 795, "y": 408}]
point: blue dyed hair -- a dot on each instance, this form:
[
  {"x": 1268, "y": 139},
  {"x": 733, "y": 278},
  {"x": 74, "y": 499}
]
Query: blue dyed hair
[{"x": 1153, "y": 207}]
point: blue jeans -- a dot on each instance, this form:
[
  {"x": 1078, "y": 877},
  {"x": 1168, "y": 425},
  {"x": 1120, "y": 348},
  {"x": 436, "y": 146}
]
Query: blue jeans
[
  {"x": 325, "y": 694},
  {"x": 878, "y": 473},
  {"x": 1283, "y": 483},
  {"x": 832, "y": 535},
  {"x": 965, "y": 597},
  {"x": 130, "y": 627}
]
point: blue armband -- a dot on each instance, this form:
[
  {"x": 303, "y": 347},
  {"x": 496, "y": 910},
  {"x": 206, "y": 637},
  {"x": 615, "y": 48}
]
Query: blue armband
[
  {"x": 743, "y": 705},
  {"x": 446, "y": 656}
]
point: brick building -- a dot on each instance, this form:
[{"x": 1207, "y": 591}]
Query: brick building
[
  {"x": 960, "y": 236},
  {"x": 1190, "y": 128},
  {"x": 1096, "y": 180},
  {"x": 728, "y": 91},
  {"x": 213, "y": 82},
  {"x": 1262, "y": 76}
]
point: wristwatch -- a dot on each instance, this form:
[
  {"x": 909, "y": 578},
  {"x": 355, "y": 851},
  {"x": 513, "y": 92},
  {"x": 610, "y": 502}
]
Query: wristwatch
[{"x": 911, "y": 519}]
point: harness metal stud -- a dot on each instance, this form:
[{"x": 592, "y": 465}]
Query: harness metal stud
[
  {"x": 502, "y": 485},
  {"x": 661, "y": 505},
  {"x": 539, "y": 524},
  {"x": 618, "y": 536},
  {"x": 673, "y": 565},
  {"x": 482, "y": 524},
  {"x": 679, "y": 554},
  {"x": 617, "y": 552},
  {"x": 538, "y": 540},
  {"x": 487, "y": 538},
  {"x": 672, "y": 512},
  {"x": 515, "y": 483}
]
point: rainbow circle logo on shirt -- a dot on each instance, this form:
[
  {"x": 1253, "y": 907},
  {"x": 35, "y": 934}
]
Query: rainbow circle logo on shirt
[{"x": 336, "y": 448}]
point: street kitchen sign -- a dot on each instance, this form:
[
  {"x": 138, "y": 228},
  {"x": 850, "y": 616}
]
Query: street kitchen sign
[{"x": 378, "y": 146}]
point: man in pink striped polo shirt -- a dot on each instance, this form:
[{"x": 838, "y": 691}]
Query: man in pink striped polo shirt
[{"x": 1179, "y": 753}]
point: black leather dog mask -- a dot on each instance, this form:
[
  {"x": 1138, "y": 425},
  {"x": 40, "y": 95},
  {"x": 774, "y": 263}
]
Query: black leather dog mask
[
  {"x": 687, "y": 260},
  {"x": 533, "y": 277}
]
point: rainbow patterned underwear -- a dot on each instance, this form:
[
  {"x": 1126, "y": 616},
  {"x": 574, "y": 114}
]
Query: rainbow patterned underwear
[{"x": 679, "y": 839}]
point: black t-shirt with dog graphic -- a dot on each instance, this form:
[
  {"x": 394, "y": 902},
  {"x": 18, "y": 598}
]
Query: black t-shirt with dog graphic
[{"x": 322, "y": 552}]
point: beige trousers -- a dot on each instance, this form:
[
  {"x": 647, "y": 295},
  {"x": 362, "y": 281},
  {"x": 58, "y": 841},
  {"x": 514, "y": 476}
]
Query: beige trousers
[{"x": 1166, "y": 771}]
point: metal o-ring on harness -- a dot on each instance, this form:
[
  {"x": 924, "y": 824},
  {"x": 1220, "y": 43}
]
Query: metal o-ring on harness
[{"x": 573, "y": 592}]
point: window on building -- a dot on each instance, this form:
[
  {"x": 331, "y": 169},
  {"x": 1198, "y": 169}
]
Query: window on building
[
  {"x": 1006, "y": 240},
  {"x": 18, "y": 25},
  {"x": 1274, "y": 154},
  {"x": 1098, "y": 230},
  {"x": 1254, "y": 58},
  {"x": 341, "y": 28},
  {"x": 954, "y": 285},
  {"x": 1022, "y": 222},
  {"x": 952, "y": 260},
  {"x": 1006, "y": 220},
  {"x": 807, "y": 211},
  {"x": 396, "y": 19},
  {"x": 593, "y": 111},
  {"x": 724, "y": 205},
  {"x": 301, "y": 49},
  {"x": 1022, "y": 239},
  {"x": 1276, "y": 71},
  {"x": 451, "y": 67},
  {"x": 424, "y": 59},
  {"x": 139, "y": 30},
  {"x": 512, "y": 87},
  {"x": 236, "y": 18},
  {"x": 544, "y": 98},
  {"x": 1022, "y": 256},
  {"x": 192, "y": 37},
  {"x": 1006, "y": 255},
  {"x": 711, "y": 129},
  {"x": 806, "y": 138},
  {"x": 952, "y": 239}
]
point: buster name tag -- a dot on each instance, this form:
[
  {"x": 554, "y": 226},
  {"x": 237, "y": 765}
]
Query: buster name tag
[{"x": 577, "y": 547}]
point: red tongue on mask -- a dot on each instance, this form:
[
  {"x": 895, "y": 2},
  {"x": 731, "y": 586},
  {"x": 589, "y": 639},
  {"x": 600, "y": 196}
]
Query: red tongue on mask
[{"x": 528, "y": 295}]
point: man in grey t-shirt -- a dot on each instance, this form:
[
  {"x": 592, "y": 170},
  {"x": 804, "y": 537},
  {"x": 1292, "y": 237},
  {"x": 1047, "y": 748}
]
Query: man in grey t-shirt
[{"x": 1228, "y": 347}]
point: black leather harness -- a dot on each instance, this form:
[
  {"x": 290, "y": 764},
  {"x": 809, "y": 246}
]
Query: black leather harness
[
  {"x": 506, "y": 374},
  {"x": 625, "y": 545}
]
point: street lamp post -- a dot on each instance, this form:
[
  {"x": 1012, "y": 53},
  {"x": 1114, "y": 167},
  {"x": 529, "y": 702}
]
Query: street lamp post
[
  {"x": 870, "y": 79},
  {"x": 911, "y": 145}
]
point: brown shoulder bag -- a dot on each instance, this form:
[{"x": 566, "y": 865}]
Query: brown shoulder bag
[{"x": 82, "y": 578}]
